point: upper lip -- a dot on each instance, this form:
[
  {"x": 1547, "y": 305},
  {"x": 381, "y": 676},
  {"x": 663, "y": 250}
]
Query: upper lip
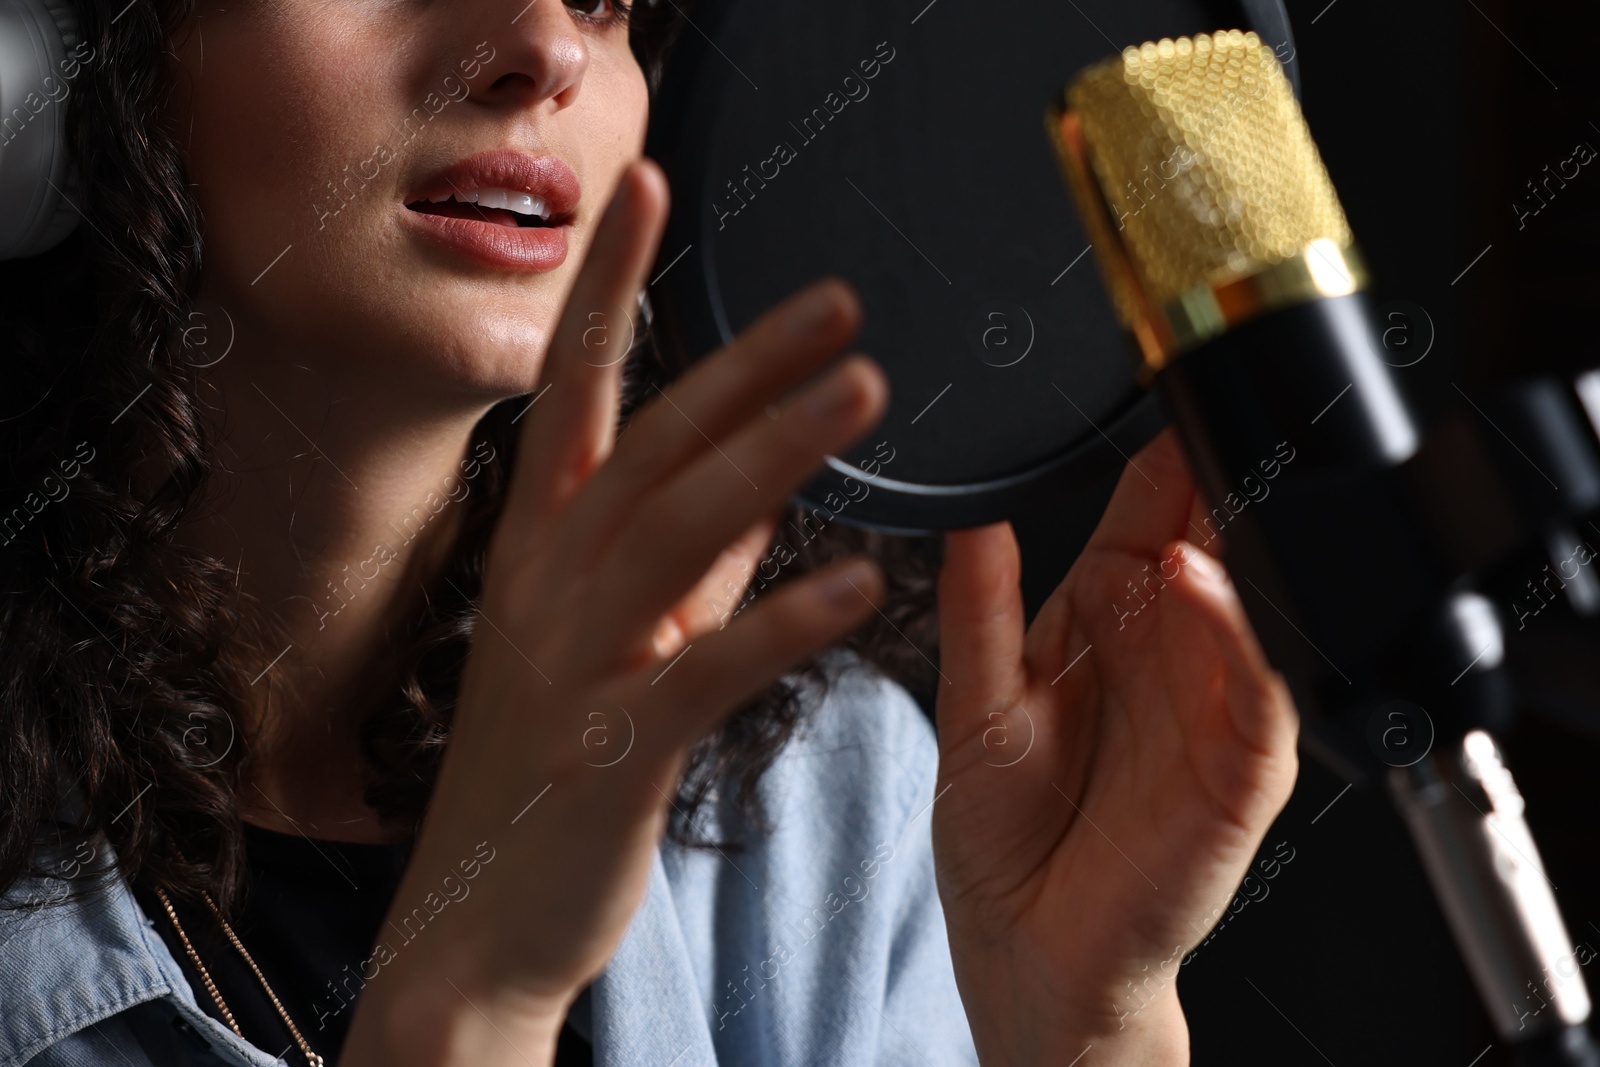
[{"x": 544, "y": 176}]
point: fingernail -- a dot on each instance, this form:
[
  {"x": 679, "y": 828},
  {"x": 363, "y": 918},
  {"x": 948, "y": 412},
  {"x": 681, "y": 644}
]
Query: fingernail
[
  {"x": 843, "y": 590},
  {"x": 812, "y": 313},
  {"x": 833, "y": 399},
  {"x": 1204, "y": 566}
]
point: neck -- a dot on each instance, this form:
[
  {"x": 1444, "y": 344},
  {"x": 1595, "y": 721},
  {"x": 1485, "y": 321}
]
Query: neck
[{"x": 335, "y": 501}]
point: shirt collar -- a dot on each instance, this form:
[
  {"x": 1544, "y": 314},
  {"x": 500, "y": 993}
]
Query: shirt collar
[{"x": 69, "y": 963}]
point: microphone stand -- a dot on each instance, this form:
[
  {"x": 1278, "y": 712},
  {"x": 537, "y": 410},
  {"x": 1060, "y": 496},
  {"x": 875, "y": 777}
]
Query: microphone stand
[
  {"x": 1465, "y": 817},
  {"x": 1460, "y": 802},
  {"x": 1435, "y": 668}
]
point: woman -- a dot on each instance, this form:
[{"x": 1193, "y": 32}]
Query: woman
[{"x": 294, "y": 556}]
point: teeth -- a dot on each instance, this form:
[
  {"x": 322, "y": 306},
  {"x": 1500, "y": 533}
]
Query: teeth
[{"x": 521, "y": 203}]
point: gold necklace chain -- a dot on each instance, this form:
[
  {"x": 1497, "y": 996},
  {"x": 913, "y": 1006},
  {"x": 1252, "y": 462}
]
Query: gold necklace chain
[{"x": 312, "y": 1058}]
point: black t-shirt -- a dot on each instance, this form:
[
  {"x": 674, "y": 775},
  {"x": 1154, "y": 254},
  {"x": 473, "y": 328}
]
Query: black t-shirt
[{"x": 310, "y": 921}]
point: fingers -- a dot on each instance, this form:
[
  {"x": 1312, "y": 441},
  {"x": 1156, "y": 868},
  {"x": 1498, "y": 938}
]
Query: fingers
[
  {"x": 676, "y": 531},
  {"x": 1151, "y": 506},
  {"x": 718, "y": 395},
  {"x": 981, "y": 624},
  {"x": 1151, "y": 503},
  {"x": 1259, "y": 706},
  {"x": 572, "y": 427},
  {"x": 718, "y": 597},
  {"x": 722, "y": 670}
]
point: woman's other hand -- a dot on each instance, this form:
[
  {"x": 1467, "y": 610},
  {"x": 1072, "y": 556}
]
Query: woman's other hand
[
  {"x": 599, "y": 623},
  {"x": 1107, "y": 776}
]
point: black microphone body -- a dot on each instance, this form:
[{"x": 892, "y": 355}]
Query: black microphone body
[{"x": 1309, "y": 459}]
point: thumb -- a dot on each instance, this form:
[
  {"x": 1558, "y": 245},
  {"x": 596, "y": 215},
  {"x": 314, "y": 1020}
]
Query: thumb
[{"x": 981, "y": 628}]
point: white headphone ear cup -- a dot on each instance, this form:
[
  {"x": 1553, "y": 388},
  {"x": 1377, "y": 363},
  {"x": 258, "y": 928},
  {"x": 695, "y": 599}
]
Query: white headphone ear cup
[{"x": 37, "y": 174}]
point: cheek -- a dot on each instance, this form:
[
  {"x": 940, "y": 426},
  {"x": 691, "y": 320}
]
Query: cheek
[
  {"x": 633, "y": 105},
  {"x": 613, "y": 116},
  {"x": 282, "y": 116}
]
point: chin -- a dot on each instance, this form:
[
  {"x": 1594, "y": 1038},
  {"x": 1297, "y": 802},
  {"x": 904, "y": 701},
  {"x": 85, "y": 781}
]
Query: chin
[
  {"x": 502, "y": 360},
  {"x": 483, "y": 335},
  {"x": 494, "y": 343},
  {"x": 448, "y": 338},
  {"x": 493, "y": 360}
]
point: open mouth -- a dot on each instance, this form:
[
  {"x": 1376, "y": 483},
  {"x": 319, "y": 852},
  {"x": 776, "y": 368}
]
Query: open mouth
[{"x": 498, "y": 207}]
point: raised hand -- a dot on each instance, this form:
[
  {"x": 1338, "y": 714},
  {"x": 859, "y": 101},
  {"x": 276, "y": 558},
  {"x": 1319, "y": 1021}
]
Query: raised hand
[
  {"x": 1159, "y": 747},
  {"x": 594, "y": 606}
]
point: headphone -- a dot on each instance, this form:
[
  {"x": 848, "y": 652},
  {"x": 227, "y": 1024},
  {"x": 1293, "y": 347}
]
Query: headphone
[{"x": 41, "y": 52}]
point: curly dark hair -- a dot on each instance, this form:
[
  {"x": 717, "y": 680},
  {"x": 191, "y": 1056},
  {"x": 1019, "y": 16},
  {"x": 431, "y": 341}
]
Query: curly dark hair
[{"x": 122, "y": 665}]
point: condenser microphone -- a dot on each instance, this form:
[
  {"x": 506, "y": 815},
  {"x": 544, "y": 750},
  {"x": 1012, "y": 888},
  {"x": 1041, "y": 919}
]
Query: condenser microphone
[
  {"x": 1229, "y": 259},
  {"x": 1352, "y": 531}
]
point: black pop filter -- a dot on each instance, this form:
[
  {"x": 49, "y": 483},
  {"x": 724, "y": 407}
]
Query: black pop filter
[{"x": 901, "y": 144}]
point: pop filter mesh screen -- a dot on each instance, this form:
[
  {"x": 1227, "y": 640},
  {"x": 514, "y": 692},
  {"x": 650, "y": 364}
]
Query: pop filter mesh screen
[{"x": 902, "y": 146}]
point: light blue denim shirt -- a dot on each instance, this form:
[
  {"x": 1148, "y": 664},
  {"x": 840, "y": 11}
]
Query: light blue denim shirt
[{"x": 821, "y": 943}]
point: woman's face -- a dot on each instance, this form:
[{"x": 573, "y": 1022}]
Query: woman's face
[{"x": 311, "y": 126}]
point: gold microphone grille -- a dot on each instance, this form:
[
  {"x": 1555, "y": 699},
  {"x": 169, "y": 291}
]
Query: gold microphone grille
[{"x": 1205, "y": 161}]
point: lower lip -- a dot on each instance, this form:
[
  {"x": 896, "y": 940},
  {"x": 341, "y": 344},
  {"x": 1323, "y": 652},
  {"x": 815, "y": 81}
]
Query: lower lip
[{"x": 533, "y": 249}]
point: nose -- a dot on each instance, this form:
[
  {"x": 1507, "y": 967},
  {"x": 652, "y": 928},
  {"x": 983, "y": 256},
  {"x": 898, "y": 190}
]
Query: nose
[{"x": 540, "y": 54}]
